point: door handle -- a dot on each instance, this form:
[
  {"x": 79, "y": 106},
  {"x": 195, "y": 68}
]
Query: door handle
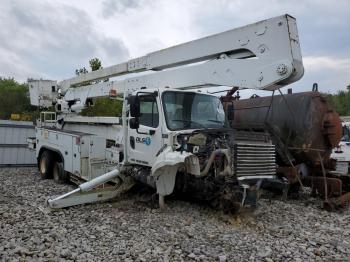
[{"x": 132, "y": 142}]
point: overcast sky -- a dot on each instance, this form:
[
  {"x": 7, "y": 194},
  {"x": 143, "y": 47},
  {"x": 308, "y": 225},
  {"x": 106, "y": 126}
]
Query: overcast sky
[{"x": 50, "y": 39}]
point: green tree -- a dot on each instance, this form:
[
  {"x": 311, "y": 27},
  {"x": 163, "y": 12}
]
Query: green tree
[
  {"x": 95, "y": 64},
  {"x": 81, "y": 71},
  {"x": 341, "y": 101},
  {"x": 104, "y": 107},
  {"x": 13, "y": 98}
]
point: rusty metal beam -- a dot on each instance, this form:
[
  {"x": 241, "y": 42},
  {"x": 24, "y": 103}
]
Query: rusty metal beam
[
  {"x": 334, "y": 185},
  {"x": 337, "y": 203}
]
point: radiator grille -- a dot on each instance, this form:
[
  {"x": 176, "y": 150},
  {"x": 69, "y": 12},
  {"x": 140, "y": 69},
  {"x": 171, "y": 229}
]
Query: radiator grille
[{"x": 254, "y": 160}]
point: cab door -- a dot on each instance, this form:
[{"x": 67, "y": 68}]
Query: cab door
[{"x": 145, "y": 142}]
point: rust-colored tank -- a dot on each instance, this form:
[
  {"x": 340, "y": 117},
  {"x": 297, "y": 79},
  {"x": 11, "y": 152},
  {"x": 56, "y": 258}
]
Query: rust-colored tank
[{"x": 305, "y": 123}]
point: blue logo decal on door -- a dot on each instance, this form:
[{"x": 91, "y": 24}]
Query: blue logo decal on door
[{"x": 145, "y": 140}]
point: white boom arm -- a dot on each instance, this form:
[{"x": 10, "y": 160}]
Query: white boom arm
[
  {"x": 264, "y": 55},
  {"x": 219, "y": 72},
  {"x": 270, "y": 41}
]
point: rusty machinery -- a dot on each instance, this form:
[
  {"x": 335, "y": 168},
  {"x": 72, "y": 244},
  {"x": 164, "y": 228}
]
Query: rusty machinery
[{"x": 304, "y": 128}]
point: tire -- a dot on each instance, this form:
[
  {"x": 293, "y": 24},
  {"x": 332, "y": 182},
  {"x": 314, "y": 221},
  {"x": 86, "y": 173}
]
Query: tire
[
  {"x": 45, "y": 165},
  {"x": 57, "y": 172}
]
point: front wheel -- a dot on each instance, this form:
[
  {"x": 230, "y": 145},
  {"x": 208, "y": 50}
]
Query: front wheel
[{"x": 46, "y": 165}]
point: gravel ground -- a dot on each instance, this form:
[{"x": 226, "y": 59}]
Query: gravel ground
[{"x": 132, "y": 230}]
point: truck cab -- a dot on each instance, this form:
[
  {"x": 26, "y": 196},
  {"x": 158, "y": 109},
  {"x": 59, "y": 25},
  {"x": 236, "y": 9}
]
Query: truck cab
[
  {"x": 165, "y": 114},
  {"x": 186, "y": 135}
]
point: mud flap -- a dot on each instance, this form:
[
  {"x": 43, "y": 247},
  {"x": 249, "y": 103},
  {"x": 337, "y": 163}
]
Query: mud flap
[{"x": 166, "y": 180}]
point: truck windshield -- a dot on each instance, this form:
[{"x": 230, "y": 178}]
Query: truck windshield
[{"x": 185, "y": 110}]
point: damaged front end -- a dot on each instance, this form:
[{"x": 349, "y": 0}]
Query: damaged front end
[{"x": 210, "y": 166}]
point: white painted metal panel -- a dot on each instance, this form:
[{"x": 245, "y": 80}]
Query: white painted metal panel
[
  {"x": 13, "y": 145},
  {"x": 42, "y": 92}
]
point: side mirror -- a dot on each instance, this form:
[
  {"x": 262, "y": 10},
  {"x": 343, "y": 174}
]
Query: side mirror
[
  {"x": 230, "y": 112},
  {"x": 134, "y": 123},
  {"x": 134, "y": 102}
]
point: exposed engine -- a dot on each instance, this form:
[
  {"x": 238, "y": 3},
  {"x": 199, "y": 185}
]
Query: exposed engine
[
  {"x": 229, "y": 166},
  {"x": 216, "y": 184},
  {"x": 223, "y": 182},
  {"x": 212, "y": 148}
]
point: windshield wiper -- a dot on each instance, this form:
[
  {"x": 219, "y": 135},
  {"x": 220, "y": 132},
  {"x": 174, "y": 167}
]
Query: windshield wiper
[
  {"x": 188, "y": 122},
  {"x": 215, "y": 121}
]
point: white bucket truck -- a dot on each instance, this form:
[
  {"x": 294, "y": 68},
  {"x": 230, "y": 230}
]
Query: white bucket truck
[{"x": 172, "y": 135}]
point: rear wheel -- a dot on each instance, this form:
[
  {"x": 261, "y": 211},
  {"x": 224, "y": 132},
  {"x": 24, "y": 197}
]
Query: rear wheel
[
  {"x": 57, "y": 172},
  {"x": 46, "y": 165}
]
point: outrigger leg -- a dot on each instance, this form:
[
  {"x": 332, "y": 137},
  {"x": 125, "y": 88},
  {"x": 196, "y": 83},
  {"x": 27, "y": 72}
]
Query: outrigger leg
[{"x": 88, "y": 193}]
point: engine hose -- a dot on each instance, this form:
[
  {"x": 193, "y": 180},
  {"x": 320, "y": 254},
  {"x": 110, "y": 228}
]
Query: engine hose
[{"x": 211, "y": 159}]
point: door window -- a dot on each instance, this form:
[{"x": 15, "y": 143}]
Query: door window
[{"x": 149, "y": 111}]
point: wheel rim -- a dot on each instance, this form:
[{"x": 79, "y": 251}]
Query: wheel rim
[{"x": 42, "y": 166}]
